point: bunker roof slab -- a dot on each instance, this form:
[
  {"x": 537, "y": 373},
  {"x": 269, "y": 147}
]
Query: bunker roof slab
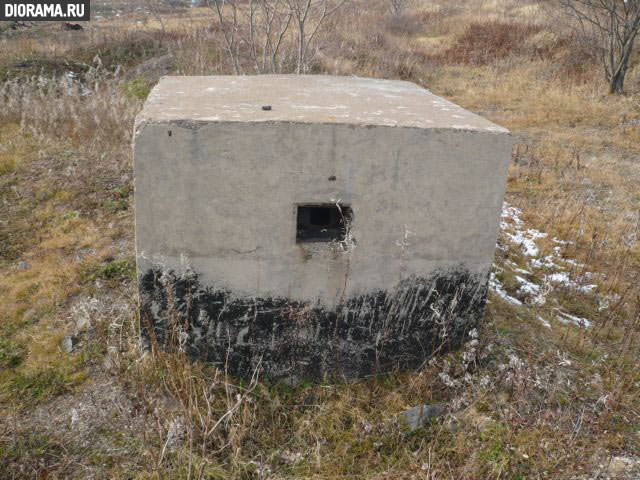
[{"x": 308, "y": 99}]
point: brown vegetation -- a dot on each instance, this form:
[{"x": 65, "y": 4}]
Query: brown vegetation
[{"x": 485, "y": 42}]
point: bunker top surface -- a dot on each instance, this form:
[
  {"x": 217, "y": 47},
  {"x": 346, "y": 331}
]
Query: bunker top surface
[{"x": 306, "y": 99}]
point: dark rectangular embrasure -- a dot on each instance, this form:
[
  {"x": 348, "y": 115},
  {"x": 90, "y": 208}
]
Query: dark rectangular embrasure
[{"x": 322, "y": 223}]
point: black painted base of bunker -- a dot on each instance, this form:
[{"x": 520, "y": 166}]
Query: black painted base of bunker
[{"x": 367, "y": 334}]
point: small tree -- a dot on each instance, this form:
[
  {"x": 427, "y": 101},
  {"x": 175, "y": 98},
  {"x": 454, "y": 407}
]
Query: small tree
[
  {"x": 310, "y": 15},
  {"x": 256, "y": 29},
  {"x": 262, "y": 31},
  {"x": 610, "y": 27}
]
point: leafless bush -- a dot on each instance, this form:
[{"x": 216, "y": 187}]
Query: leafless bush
[
  {"x": 255, "y": 30},
  {"x": 484, "y": 42},
  {"x": 268, "y": 34}
]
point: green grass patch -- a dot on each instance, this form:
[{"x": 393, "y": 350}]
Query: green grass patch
[
  {"x": 138, "y": 88},
  {"x": 115, "y": 206},
  {"x": 124, "y": 267},
  {"x": 34, "y": 387},
  {"x": 112, "y": 270},
  {"x": 30, "y": 448},
  {"x": 11, "y": 353}
]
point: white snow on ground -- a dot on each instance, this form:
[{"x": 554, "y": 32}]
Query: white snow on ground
[
  {"x": 528, "y": 244},
  {"x": 545, "y": 262},
  {"x": 526, "y": 286},
  {"x": 522, "y": 270},
  {"x": 564, "y": 279},
  {"x": 587, "y": 288},
  {"x": 559, "y": 271},
  {"x": 510, "y": 226},
  {"x": 559, "y": 277},
  {"x": 566, "y": 318},
  {"x": 496, "y": 286}
]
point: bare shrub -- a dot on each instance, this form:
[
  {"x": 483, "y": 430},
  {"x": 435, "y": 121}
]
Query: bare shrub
[
  {"x": 264, "y": 35},
  {"x": 253, "y": 31},
  {"x": 366, "y": 47},
  {"x": 309, "y": 17},
  {"x": 484, "y": 42}
]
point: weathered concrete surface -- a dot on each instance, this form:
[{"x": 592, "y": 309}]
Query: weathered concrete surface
[
  {"x": 307, "y": 99},
  {"x": 217, "y": 183}
]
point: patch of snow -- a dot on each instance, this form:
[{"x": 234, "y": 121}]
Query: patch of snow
[
  {"x": 558, "y": 277},
  {"x": 528, "y": 245},
  {"x": 535, "y": 234},
  {"x": 545, "y": 262},
  {"x": 567, "y": 318},
  {"x": 502, "y": 247},
  {"x": 526, "y": 238},
  {"x": 497, "y": 287},
  {"x": 572, "y": 262},
  {"x": 526, "y": 286},
  {"x": 514, "y": 231},
  {"x": 512, "y": 213},
  {"x": 564, "y": 279},
  {"x": 587, "y": 288}
]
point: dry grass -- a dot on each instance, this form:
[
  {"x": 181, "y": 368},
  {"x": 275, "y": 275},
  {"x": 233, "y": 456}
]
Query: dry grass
[{"x": 524, "y": 401}]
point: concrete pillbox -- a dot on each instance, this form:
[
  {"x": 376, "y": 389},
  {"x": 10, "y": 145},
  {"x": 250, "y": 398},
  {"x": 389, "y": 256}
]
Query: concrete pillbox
[{"x": 313, "y": 227}]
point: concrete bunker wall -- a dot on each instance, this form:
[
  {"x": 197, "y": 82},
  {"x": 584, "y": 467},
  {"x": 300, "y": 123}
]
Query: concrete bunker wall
[{"x": 218, "y": 257}]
